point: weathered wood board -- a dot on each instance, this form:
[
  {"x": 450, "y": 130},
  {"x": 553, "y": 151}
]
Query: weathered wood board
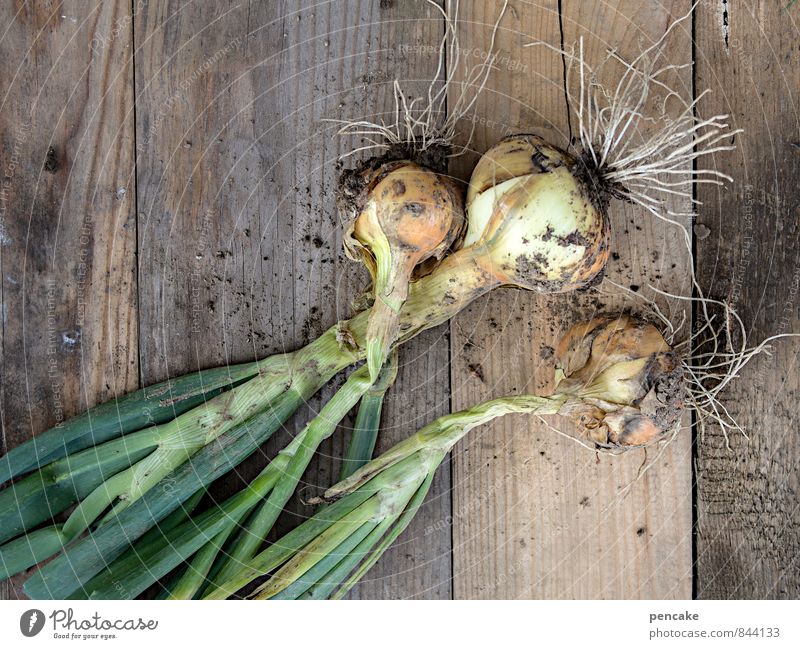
[
  {"x": 67, "y": 215},
  {"x": 537, "y": 515},
  {"x": 748, "y": 516},
  {"x": 240, "y": 242}
]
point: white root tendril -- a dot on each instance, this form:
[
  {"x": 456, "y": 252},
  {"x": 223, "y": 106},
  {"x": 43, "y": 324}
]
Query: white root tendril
[
  {"x": 417, "y": 123},
  {"x": 648, "y": 165},
  {"x": 712, "y": 355}
]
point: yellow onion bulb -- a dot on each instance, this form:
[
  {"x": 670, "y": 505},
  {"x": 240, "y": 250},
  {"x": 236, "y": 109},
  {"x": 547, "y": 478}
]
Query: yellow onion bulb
[
  {"x": 534, "y": 211},
  {"x": 402, "y": 219},
  {"x": 628, "y": 382}
]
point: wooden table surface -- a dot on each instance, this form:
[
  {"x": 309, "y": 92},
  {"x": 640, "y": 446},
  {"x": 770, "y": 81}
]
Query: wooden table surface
[{"x": 167, "y": 183}]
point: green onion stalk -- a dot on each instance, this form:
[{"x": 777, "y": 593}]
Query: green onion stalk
[
  {"x": 616, "y": 376},
  {"x": 368, "y": 420},
  {"x": 404, "y": 472},
  {"x": 207, "y": 533},
  {"x": 119, "y": 475},
  {"x": 214, "y": 561},
  {"x": 507, "y": 249},
  {"x": 70, "y": 460}
]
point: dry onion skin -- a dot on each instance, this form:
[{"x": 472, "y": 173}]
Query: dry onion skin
[
  {"x": 399, "y": 215},
  {"x": 629, "y": 380}
]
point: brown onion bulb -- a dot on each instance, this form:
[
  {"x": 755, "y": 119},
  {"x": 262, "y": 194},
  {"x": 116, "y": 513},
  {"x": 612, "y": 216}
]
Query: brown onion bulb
[
  {"x": 402, "y": 217},
  {"x": 627, "y": 378}
]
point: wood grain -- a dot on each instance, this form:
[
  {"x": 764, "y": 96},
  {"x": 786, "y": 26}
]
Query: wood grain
[
  {"x": 67, "y": 217},
  {"x": 748, "y": 539},
  {"x": 239, "y": 256},
  {"x": 535, "y": 515},
  {"x": 418, "y": 565},
  {"x": 241, "y": 251}
]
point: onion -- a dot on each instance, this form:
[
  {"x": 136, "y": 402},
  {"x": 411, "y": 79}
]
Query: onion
[
  {"x": 615, "y": 374},
  {"x": 543, "y": 225},
  {"x": 629, "y": 381},
  {"x": 400, "y": 215}
]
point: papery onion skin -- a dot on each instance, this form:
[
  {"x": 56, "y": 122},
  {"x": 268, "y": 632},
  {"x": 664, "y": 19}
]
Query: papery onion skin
[
  {"x": 530, "y": 204},
  {"x": 627, "y": 377},
  {"x": 401, "y": 215}
]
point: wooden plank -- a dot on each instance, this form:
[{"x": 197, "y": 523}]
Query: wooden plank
[
  {"x": 67, "y": 215},
  {"x": 418, "y": 564},
  {"x": 241, "y": 251},
  {"x": 535, "y": 515},
  {"x": 748, "y": 524}
]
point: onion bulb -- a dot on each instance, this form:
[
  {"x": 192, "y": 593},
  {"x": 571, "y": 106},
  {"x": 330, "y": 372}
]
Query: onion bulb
[
  {"x": 536, "y": 214},
  {"x": 629, "y": 382},
  {"x": 402, "y": 219}
]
